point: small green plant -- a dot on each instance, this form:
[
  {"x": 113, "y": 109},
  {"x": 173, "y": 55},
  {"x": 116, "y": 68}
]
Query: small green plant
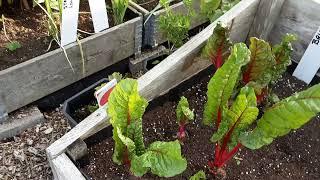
[
  {"x": 175, "y": 26},
  {"x": 126, "y": 108},
  {"x": 213, "y": 9},
  {"x": 233, "y": 116},
  {"x": 119, "y": 8},
  {"x": 12, "y": 45},
  {"x": 184, "y": 115},
  {"x": 198, "y": 176}
]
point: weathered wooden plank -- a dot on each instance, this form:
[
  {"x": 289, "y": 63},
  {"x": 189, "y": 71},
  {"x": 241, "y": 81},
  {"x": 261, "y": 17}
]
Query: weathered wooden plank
[
  {"x": 182, "y": 64},
  {"x": 64, "y": 169},
  {"x": 301, "y": 18},
  {"x": 267, "y": 14},
  {"x": 43, "y": 75},
  {"x": 92, "y": 124}
]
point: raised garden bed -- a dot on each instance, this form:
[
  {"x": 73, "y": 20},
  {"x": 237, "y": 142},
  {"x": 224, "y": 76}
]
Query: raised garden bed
[
  {"x": 39, "y": 76},
  {"x": 152, "y": 34},
  {"x": 178, "y": 67}
]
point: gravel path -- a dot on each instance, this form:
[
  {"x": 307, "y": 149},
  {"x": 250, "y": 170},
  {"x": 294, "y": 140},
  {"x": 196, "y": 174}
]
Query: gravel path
[{"x": 24, "y": 156}]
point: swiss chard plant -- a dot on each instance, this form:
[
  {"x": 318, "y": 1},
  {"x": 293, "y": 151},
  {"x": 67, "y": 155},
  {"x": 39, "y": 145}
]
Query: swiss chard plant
[
  {"x": 266, "y": 64},
  {"x": 175, "y": 26},
  {"x": 126, "y": 108},
  {"x": 184, "y": 115},
  {"x": 233, "y": 117},
  {"x": 218, "y": 46}
]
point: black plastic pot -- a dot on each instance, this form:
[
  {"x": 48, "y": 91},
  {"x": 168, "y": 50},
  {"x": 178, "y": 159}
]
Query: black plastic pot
[{"x": 85, "y": 97}]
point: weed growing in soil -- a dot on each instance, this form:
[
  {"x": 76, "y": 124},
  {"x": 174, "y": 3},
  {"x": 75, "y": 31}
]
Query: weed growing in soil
[
  {"x": 184, "y": 115},
  {"x": 12, "y": 45},
  {"x": 126, "y": 108},
  {"x": 175, "y": 26},
  {"x": 233, "y": 112},
  {"x": 198, "y": 176}
]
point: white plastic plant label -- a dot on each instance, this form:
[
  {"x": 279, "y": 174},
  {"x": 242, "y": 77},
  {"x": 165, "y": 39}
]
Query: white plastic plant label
[
  {"x": 69, "y": 24},
  {"x": 99, "y": 15},
  {"x": 310, "y": 62},
  {"x": 102, "y": 95}
]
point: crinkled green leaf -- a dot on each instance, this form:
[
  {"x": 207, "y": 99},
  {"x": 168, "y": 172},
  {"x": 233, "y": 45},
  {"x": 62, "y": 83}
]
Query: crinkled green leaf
[
  {"x": 221, "y": 85},
  {"x": 282, "y": 53},
  {"x": 241, "y": 114},
  {"x": 162, "y": 158},
  {"x": 289, "y": 114},
  {"x": 261, "y": 63},
  {"x": 116, "y": 75},
  {"x": 218, "y": 46},
  {"x": 208, "y": 7},
  {"x": 183, "y": 111},
  {"x": 126, "y": 108},
  {"x": 198, "y": 176},
  {"x": 225, "y": 6}
]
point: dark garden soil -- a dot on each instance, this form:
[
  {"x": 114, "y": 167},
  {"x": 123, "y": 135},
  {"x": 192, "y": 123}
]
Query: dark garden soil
[
  {"x": 29, "y": 28},
  {"x": 151, "y": 4},
  {"x": 295, "y": 156}
]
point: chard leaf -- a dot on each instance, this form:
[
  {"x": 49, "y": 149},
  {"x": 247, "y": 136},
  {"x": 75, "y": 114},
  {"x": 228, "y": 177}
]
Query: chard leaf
[
  {"x": 125, "y": 108},
  {"x": 198, "y": 176},
  {"x": 242, "y": 113},
  {"x": 162, "y": 158},
  {"x": 282, "y": 54},
  {"x": 221, "y": 85},
  {"x": 261, "y": 64},
  {"x": 289, "y": 114},
  {"x": 184, "y": 114},
  {"x": 218, "y": 46},
  {"x": 208, "y": 7}
]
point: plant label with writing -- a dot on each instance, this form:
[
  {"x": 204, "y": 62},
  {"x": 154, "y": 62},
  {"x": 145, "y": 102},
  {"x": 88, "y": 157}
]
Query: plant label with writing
[
  {"x": 70, "y": 13},
  {"x": 310, "y": 62},
  {"x": 102, "y": 95},
  {"x": 99, "y": 15},
  {"x": 69, "y": 24}
]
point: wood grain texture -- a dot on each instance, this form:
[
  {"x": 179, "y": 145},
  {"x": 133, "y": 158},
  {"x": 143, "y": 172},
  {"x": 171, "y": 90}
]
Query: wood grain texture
[
  {"x": 64, "y": 169},
  {"x": 43, "y": 75},
  {"x": 182, "y": 64},
  {"x": 301, "y": 18},
  {"x": 267, "y": 14}
]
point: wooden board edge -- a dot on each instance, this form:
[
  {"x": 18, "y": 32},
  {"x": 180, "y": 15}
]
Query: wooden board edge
[
  {"x": 267, "y": 13},
  {"x": 64, "y": 169}
]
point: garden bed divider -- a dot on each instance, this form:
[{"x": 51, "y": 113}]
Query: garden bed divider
[
  {"x": 181, "y": 65},
  {"x": 38, "y": 77}
]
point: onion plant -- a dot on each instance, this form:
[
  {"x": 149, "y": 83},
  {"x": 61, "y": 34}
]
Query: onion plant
[{"x": 119, "y": 8}]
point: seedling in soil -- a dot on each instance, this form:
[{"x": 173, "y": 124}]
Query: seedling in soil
[
  {"x": 12, "y": 45},
  {"x": 184, "y": 116},
  {"x": 126, "y": 108},
  {"x": 233, "y": 117},
  {"x": 198, "y": 176}
]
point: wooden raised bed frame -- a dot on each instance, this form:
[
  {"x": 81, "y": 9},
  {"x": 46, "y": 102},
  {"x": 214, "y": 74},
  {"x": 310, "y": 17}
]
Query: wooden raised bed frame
[
  {"x": 152, "y": 34},
  {"x": 45, "y": 74},
  {"x": 249, "y": 18}
]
